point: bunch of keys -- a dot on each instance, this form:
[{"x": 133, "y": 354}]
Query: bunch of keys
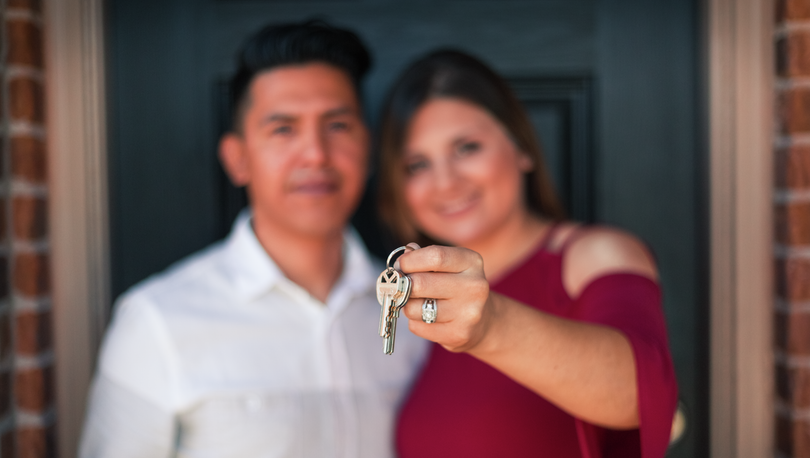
[{"x": 393, "y": 291}]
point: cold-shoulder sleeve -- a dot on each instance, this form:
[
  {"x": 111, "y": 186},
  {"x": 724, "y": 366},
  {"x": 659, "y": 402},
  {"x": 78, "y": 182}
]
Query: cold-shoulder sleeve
[{"x": 632, "y": 304}]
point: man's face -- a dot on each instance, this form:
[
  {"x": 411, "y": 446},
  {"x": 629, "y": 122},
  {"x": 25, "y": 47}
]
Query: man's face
[{"x": 302, "y": 151}]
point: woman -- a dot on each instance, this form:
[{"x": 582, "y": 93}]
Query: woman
[{"x": 550, "y": 336}]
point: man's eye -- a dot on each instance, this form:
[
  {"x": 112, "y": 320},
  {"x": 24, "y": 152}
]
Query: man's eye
[
  {"x": 282, "y": 130},
  {"x": 338, "y": 126},
  {"x": 468, "y": 148}
]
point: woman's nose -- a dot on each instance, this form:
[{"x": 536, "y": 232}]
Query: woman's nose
[{"x": 446, "y": 177}]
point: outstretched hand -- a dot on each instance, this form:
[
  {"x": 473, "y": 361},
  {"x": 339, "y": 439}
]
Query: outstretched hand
[{"x": 455, "y": 278}]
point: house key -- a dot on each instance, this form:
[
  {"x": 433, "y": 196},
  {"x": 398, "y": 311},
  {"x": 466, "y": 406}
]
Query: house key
[{"x": 393, "y": 290}]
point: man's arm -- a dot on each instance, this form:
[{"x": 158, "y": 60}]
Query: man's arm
[
  {"x": 121, "y": 424},
  {"x": 131, "y": 410}
]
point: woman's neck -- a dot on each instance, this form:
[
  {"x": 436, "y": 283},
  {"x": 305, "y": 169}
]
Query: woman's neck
[{"x": 510, "y": 244}]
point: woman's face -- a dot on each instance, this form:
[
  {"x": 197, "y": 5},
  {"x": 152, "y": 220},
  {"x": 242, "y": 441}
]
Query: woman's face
[{"x": 463, "y": 174}]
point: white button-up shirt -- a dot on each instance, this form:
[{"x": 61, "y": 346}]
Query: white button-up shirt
[{"x": 223, "y": 356}]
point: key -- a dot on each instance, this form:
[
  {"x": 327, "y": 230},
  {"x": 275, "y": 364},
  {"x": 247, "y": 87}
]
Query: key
[
  {"x": 391, "y": 332},
  {"x": 387, "y": 289},
  {"x": 393, "y": 290}
]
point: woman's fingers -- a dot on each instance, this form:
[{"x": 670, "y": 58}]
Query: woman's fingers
[
  {"x": 441, "y": 259},
  {"x": 443, "y": 285}
]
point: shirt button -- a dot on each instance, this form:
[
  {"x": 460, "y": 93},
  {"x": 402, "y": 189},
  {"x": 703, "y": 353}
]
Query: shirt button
[{"x": 253, "y": 403}]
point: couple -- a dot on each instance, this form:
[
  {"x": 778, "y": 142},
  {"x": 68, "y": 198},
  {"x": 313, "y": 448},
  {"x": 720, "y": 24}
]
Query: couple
[{"x": 549, "y": 341}]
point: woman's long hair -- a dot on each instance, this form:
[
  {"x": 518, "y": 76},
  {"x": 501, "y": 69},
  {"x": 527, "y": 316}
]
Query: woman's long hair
[{"x": 454, "y": 74}]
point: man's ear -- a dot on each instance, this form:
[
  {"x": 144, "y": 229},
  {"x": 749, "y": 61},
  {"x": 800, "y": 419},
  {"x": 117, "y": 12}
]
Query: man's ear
[{"x": 234, "y": 159}]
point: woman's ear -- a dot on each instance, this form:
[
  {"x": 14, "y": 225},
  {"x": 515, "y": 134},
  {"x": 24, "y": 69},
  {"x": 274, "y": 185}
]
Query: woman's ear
[{"x": 233, "y": 157}]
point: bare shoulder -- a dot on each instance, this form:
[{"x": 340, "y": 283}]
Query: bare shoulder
[{"x": 598, "y": 251}]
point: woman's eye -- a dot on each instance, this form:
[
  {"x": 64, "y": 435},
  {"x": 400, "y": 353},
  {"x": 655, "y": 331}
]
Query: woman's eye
[
  {"x": 412, "y": 168},
  {"x": 468, "y": 148}
]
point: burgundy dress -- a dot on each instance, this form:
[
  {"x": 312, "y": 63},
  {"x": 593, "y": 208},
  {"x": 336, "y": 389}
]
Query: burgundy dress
[{"x": 463, "y": 407}]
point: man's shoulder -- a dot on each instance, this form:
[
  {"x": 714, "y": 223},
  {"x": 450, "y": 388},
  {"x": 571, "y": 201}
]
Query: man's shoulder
[{"x": 200, "y": 274}]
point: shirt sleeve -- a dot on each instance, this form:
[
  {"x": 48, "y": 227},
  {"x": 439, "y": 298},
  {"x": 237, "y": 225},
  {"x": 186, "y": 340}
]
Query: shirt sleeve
[
  {"x": 631, "y": 304},
  {"x": 133, "y": 402},
  {"x": 121, "y": 424}
]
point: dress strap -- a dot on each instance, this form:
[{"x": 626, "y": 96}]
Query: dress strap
[
  {"x": 549, "y": 235},
  {"x": 578, "y": 231}
]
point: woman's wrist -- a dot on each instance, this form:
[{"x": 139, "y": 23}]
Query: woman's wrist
[{"x": 492, "y": 341}]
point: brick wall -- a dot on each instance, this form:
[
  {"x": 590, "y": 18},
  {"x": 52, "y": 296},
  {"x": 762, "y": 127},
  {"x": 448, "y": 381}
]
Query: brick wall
[
  {"x": 793, "y": 229},
  {"x": 26, "y": 356}
]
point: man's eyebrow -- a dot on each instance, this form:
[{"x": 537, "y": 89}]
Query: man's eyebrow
[
  {"x": 278, "y": 117},
  {"x": 338, "y": 112}
]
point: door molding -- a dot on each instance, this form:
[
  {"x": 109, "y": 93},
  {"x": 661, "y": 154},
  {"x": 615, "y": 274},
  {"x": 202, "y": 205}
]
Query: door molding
[
  {"x": 740, "y": 96},
  {"x": 79, "y": 224}
]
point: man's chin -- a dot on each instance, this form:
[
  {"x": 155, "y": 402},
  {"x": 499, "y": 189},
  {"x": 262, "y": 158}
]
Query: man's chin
[{"x": 306, "y": 224}]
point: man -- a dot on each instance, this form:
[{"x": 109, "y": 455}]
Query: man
[{"x": 266, "y": 344}]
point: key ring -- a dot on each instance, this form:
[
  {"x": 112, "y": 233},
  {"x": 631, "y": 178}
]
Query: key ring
[{"x": 402, "y": 248}]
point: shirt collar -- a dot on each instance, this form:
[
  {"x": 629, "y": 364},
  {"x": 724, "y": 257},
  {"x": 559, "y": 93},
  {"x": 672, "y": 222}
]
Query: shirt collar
[{"x": 253, "y": 272}]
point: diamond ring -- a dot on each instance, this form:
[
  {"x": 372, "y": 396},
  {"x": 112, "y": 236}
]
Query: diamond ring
[{"x": 429, "y": 311}]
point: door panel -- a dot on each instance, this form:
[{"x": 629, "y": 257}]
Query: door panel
[{"x": 610, "y": 86}]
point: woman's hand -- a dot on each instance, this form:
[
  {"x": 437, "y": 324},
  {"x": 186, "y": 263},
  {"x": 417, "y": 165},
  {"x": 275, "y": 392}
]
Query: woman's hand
[{"x": 455, "y": 278}]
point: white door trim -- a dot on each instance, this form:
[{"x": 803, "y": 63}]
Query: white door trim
[
  {"x": 79, "y": 226},
  {"x": 740, "y": 95}
]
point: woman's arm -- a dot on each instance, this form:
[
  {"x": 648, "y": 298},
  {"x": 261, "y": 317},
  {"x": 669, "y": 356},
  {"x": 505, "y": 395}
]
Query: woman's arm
[{"x": 586, "y": 369}]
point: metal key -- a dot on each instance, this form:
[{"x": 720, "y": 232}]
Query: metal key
[{"x": 393, "y": 290}]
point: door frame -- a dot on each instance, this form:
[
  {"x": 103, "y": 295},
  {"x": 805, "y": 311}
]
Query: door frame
[
  {"x": 740, "y": 84},
  {"x": 76, "y": 136},
  {"x": 738, "y": 97}
]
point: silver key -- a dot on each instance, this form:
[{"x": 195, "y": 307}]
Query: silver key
[{"x": 393, "y": 290}]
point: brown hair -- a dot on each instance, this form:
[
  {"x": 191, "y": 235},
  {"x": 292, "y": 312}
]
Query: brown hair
[{"x": 454, "y": 74}]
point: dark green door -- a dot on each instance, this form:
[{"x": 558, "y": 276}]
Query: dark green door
[{"x": 612, "y": 87}]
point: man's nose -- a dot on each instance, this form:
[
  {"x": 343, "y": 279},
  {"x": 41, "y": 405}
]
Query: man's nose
[{"x": 315, "y": 148}]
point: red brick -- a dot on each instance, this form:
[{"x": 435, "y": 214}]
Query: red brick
[
  {"x": 24, "y": 40},
  {"x": 3, "y": 230},
  {"x": 26, "y": 100},
  {"x": 29, "y": 216},
  {"x": 3, "y": 277},
  {"x": 31, "y": 5},
  {"x": 5, "y": 394},
  {"x": 33, "y": 332},
  {"x": 792, "y": 9},
  {"x": 28, "y": 159},
  {"x": 793, "y": 279},
  {"x": 7, "y": 444},
  {"x": 31, "y": 275},
  {"x": 793, "y": 54},
  {"x": 793, "y": 223},
  {"x": 793, "y": 386},
  {"x": 793, "y": 168},
  {"x": 5, "y": 336},
  {"x": 792, "y": 333},
  {"x": 793, "y": 437},
  {"x": 33, "y": 389},
  {"x": 795, "y": 110},
  {"x": 36, "y": 443}
]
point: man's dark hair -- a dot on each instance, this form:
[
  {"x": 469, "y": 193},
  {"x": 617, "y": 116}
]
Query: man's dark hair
[{"x": 294, "y": 44}]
